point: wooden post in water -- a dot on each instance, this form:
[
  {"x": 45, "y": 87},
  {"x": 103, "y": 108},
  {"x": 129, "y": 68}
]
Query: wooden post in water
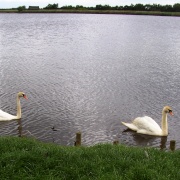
[
  {"x": 116, "y": 142},
  {"x": 172, "y": 145},
  {"x": 78, "y": 139}
]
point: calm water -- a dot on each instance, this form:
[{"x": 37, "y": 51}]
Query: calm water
[{"x": 88, "y": 73}]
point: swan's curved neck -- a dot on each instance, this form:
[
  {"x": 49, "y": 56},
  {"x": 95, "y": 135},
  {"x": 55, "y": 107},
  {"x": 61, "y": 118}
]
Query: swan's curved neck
[
  {"x": 18, "y": 107},
  {"x": 164, "y": 123}
]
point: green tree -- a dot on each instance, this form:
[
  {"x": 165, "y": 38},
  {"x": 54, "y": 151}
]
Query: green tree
[
  {"x": 79, "y": 7},
  {"x": 21, "y": 8},
  {"x": 139, "y": 7},
  {"x": 51, "y": 6},
  {"x": 67, "y": 7},
  {"x": 168, "y": 8},
  {"x": 131, "y": 7},
  {"x": 176, "y": 7},
  {"x": 99, "y": 7}
]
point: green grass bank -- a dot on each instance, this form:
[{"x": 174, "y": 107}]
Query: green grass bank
[
  {"x": 155, "y": 13},
  {"x": 24, "y": 158}
]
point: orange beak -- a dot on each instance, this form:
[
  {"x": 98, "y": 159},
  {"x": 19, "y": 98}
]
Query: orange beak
[
  {"x": 171, "y": 113},
  {"x": 25, "y": 97}
]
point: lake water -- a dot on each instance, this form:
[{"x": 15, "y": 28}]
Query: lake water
[{"x": 87, "y": 73}]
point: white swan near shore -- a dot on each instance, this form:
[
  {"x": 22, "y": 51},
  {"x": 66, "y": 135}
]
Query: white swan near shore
[
  {"x": 6, "y": 116},
  {"x": 146, "y": 125}
]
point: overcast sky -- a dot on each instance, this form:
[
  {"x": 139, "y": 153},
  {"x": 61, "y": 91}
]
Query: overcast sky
[{"x": 86, "y": 3}]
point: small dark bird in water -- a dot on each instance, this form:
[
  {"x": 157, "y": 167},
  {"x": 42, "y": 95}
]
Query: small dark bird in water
[{"x": 53, "y": 128}]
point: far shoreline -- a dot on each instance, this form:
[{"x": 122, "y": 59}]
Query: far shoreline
[{"x": 120, "y": 12}]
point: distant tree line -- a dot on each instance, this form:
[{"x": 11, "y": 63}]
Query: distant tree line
[
  {"x": 141, "y": 7},
  {"x": 132, "y": 7}
]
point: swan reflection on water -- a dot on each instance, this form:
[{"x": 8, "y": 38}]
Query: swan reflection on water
[
  {"x": 147, "y": 140},
  {"x": 20, "y": 131},
  {"x": 19, "y": 127}
]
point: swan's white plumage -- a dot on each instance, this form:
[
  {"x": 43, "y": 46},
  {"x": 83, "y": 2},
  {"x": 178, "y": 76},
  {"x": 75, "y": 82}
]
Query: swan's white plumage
[
  {"x": 146, "y": 125},
  {"x": 6, "y": 116}
]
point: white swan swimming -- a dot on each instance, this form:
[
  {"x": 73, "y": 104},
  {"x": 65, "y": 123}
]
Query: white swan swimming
[
  {"x": 146, "y": 125},
  {"x": 6, "y": 116}
]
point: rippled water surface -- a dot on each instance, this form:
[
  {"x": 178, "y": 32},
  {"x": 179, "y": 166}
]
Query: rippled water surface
[{"x": 88, "y": 73}]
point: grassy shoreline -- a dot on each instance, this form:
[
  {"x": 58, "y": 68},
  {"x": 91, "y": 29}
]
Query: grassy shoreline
[
  {"x": 155, "y": 13},
  {"x": 25, "y": 158}
]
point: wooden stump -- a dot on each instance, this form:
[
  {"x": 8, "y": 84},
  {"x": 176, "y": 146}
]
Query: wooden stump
[
  {"x": 78, "y": 139},
  {"x": 116, "y": 142},
  {"x": 172, "y": 145}
]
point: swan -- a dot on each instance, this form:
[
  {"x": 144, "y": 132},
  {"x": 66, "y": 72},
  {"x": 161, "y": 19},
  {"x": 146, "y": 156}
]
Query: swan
[
  {"x": 146, "y": 125},
  {"x": 6, "y": 116}
]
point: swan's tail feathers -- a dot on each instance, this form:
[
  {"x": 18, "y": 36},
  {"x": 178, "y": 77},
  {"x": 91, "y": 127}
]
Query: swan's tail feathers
[{"x": 130, "y": 126}]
